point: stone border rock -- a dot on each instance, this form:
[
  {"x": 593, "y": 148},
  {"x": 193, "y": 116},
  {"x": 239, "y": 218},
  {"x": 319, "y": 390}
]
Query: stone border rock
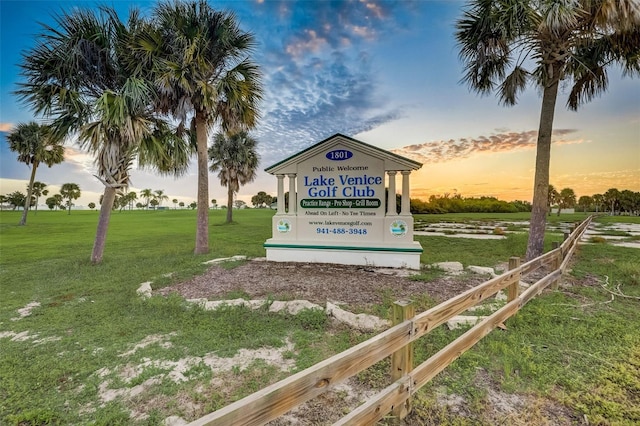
[{"x": 362, "y": 322}]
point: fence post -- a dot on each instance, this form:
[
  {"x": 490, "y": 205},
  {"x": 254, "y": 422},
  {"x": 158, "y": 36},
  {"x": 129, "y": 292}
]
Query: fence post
[
  {"x": 514, "y": 289},
  {"x": 402, "y": 359},
  {"x": 557, "y": 261}
]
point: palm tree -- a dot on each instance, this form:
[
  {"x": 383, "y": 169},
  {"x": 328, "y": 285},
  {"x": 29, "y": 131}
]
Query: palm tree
[
  {"x": 598, "y": 200},
  {"x": 160, "y": 196},
  {"x": 39, "y": 189},
  {"x": 627, "y": 201},
  {"x": 51, "y": 202},
  {"x": 585, "y": 202},
  {"x": 58, "y": 200},
  {"x": 235, "y": 159},
  {"x": 131, "y": 198},
  {"x": 70, "y": 191},
  {"x": 552, "y": 198},
  {"x": 84, "y": 75},
  {"x": 574, "y": 42},
  {"x": 200, "y": 57},
  {"x": 147, "y": 194},
  {"x": 16, "y": 199},
  {"x": 175, "y": 203},
  {"x": 35, "y": 144},
  {"x": 612, "y": 197},
  {"x": 566, "y": 199}
]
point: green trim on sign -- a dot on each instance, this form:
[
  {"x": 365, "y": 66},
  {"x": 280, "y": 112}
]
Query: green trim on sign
[{"x": 303, "y": 246}]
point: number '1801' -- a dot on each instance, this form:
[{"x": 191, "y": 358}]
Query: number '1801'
[{"x": 339, "y": 154}]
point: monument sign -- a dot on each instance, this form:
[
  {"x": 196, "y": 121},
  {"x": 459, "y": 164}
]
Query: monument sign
[{"x": 339, "y": 211}]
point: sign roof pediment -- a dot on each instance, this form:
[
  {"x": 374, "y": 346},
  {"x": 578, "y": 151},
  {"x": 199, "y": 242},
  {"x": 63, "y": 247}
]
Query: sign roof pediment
[{"x": 391, "y": 161}]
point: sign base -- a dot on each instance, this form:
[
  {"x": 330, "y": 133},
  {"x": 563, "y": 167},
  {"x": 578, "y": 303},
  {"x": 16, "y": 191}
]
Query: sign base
[{"x": 405, "y": 256}]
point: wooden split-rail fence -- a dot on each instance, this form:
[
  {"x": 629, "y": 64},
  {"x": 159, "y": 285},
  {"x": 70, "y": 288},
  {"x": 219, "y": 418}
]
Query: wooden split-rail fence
[{"x": 273, "y": 401}]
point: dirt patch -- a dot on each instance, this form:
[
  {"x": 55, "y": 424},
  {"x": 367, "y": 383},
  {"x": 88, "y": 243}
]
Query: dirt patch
[
  {"x": 26, "y": 311},
  {"x": 318, "y": 283},
  {"x": 358, "y": 286}
]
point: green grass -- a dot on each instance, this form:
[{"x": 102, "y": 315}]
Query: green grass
[
  {"x": 574, "y": 347},
  {"x": 94, "y": 314}
]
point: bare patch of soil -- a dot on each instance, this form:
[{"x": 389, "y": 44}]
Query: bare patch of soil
[{"x": 318, "y": 283}]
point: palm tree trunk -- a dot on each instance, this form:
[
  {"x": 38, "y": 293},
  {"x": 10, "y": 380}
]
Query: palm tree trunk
[
  {"x": 229, "y": 204},
  {"x": 103, "y": 224},
  {"x": 27, "y": 203},
  {"x": 535, "y": 245},
  {"x": 202, "y": 227}
]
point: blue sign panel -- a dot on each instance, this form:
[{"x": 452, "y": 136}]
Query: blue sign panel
[{"x": 339, "y": 155}]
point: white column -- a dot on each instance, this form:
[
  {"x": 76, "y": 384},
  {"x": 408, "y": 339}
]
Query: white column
[
  {"x": 281, "y": 209},
  {"x": 292, "y": 194},
  {"x": 391, "y": 194},
  {"x": 406, "y": 207}
]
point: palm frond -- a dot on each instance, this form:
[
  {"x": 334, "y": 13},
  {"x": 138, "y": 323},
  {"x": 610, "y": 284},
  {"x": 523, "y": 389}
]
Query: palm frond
[{"x": 512, "y": 85}]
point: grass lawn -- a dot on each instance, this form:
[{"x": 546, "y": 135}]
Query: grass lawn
[{"x": 576, "y": 346}]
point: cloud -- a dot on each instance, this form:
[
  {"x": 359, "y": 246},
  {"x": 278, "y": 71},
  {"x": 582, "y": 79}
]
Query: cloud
[
  {"x": 79, "y": 159},
  {"x": 443, "y": 151},
  {"x": 312, "y": 43},
  {"x": 310, "y": 101},
  {"x": 318, "y": 74},
  {"x": 300, "y": 29},
  {"x": 6, "y": 127}
]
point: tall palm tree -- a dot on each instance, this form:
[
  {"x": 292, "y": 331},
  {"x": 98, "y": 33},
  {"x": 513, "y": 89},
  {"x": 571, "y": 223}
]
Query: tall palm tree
[
  {"x": 161, "y": 196},
  {"x": 235, "y": 159},
  {"x": 39, "y": 189},
  {"x": 84, "y": 75},
  {"x": 573, "y": 43},
  {"x": 35, "y": 144},
  {"x": 200, "y": 57},
  {"x": 70, "y": 191}
]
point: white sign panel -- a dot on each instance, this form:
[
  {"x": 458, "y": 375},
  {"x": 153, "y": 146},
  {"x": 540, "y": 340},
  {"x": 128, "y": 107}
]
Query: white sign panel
[{"x": 341, "y": 196}]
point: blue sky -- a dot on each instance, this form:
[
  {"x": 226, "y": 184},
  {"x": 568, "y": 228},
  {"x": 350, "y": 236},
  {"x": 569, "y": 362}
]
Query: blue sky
[{"x": 386, "y": 73}]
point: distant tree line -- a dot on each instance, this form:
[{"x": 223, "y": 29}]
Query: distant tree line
[
  {"x": 62, "y": 201},
  {"x": 456, "y": 203},
  {"x": 613, "y": 201}
]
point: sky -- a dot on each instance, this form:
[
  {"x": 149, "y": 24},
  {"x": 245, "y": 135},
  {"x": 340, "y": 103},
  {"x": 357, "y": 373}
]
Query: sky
[{"x": 386, "y": 73}]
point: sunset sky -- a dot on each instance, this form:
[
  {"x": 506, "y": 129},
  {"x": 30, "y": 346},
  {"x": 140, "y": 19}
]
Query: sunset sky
[{"x": 386, "y": 73}]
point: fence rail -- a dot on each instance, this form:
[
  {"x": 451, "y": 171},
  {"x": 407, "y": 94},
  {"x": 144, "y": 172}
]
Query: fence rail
[{"x": 278, "y": 398}]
